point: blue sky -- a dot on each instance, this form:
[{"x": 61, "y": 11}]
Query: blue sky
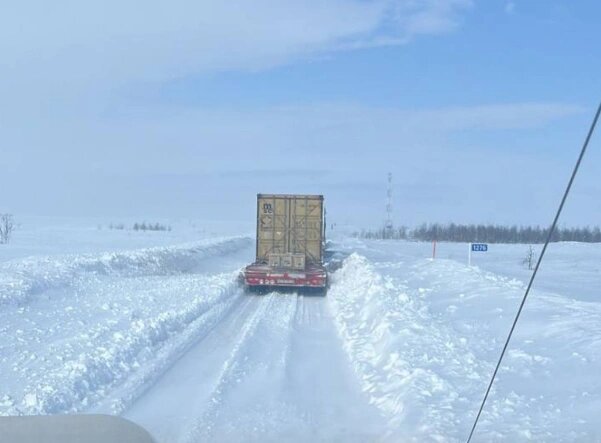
[
  {"x": 493, "y": 56},
  {"x": 191, "y": 108}
]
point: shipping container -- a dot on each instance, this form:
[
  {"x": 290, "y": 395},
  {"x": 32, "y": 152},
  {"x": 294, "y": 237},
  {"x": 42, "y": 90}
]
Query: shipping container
[{"x": 290, "y": 242}]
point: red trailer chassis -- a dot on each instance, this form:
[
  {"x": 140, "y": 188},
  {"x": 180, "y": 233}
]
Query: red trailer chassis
[{"x": 258, "y": 275}]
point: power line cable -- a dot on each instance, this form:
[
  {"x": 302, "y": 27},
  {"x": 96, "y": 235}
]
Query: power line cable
[{"x": 540, "y": 259}]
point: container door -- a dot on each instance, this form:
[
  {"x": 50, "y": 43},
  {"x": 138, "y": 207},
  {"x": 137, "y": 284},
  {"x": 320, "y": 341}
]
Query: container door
[
  {"x": 272, "y": 229},
  {"x": 306, "y": 229}
]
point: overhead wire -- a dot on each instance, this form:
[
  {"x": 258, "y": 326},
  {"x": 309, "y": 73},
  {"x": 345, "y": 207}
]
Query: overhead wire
[{"x": 538, "y": 262}]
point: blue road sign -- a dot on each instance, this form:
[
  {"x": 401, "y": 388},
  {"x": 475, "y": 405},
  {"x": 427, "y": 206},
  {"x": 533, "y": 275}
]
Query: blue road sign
[{"x": 479, "y": 247}]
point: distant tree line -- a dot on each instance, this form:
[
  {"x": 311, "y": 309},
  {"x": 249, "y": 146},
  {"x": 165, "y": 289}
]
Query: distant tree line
[
  {"x": 453, "y": 232},
  {"x": 151, "y": 227},
  {"x": 143, "y": 226}
]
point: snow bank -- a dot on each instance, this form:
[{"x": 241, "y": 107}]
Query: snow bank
[
  {"x": 402, "y": 356},
  {"x": 423, "y": 337},
  {"x": 23, "y": 278},
  {"x": 75, "y": 328},
  {"x": 119, "y": 340}
]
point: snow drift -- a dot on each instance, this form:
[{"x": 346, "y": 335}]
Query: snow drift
[
  {"x": 423, "y": 337},
  {"x": 404, "y": 356},
  {"x": 23, "y": 278},
  {"x": 80, "y": 327}
]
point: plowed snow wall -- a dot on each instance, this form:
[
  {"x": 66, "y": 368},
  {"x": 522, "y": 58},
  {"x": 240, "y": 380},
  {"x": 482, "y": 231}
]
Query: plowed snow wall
[{"x": 290, "y": 224}]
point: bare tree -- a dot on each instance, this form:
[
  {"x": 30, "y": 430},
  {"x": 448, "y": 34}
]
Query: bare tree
[
  {"x": 7, "y": 225},
  {"x": 530, "y": 258}
]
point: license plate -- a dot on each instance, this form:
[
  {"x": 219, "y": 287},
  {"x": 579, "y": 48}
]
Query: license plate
[{"x": 296, "y": 275}]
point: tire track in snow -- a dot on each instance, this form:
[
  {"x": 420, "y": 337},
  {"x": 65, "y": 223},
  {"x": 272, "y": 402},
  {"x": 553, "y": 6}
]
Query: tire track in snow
[
  {"x": 181, "y": 394},
  {"x": 271, "y": 371},
  {"x": 289, "y": 380},
  {"x": 232, "y": 297},
  {"x": 274, "y": 314},
  {"x": 328, "y": 403}
]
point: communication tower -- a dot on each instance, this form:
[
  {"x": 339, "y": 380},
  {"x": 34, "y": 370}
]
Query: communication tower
[{"x": 388, "y": 224}]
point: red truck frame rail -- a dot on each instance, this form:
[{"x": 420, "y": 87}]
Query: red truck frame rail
[{"x": 261, "y": 275}]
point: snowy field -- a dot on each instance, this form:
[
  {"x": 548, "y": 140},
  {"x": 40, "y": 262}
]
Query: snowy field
[{"x": 155, "y": 327}]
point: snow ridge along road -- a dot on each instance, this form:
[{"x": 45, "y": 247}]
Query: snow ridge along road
[
  {"x": 399, "y": 350},
  {"x": 22, "y": 279},
  {"x": 423, "y": 337},
  {"x": 408, "y": 360},
  {"x": 82, "y": 326}
]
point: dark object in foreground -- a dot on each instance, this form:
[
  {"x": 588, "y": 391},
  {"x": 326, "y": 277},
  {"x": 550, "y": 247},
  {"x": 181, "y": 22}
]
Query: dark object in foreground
[{"x": 71, "y": 429}]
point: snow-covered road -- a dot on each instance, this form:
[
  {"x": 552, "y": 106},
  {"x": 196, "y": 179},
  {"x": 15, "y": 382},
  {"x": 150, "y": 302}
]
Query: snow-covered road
[
  {"x": 400, "y": 349},
  {"x": 272, "y": 370},
  {"x": 168, "y": 338}
]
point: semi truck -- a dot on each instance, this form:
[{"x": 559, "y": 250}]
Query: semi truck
[{"x": 290, "y": 244}]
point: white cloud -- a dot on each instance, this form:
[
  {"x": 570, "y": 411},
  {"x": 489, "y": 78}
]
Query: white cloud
[
  {"x": 175, "y": 160},
  {"x": 64, "y": 61},
  {"x": 200, "y": 140},
  {"x": 430, "y": 16},
  {"x": 119, "y": 40}
]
